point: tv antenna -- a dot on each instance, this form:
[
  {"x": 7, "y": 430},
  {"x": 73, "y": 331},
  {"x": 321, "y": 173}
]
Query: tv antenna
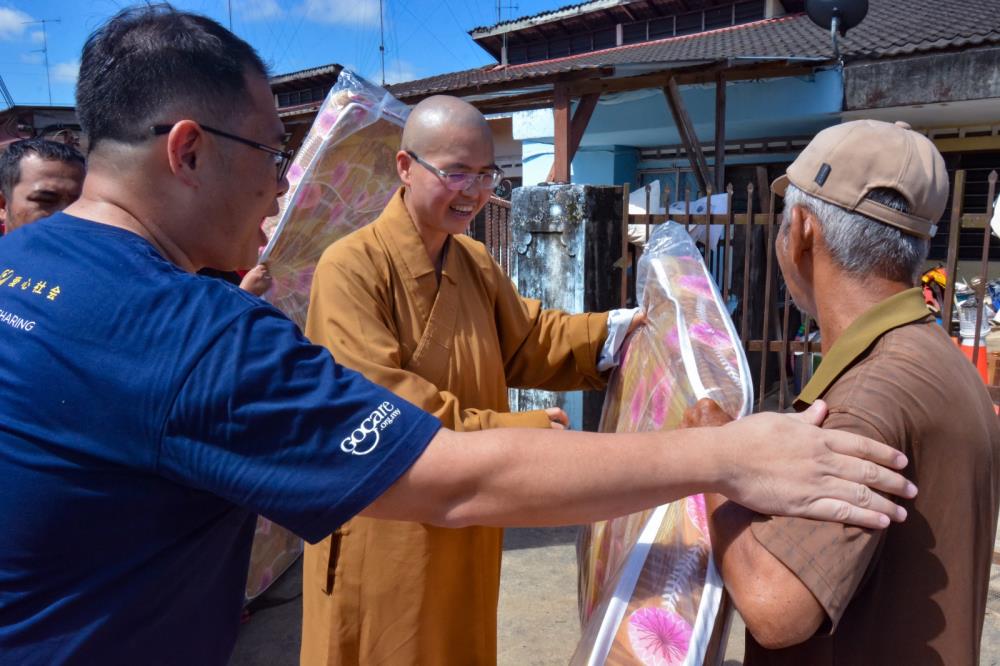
[
  {"x": 8, "y": 100},
  {"x": 381, "y": 39},
  {"x": 45, "y": 50},
  {"x": 501, "y": 6},
  {"x": 837, "y": 16}
]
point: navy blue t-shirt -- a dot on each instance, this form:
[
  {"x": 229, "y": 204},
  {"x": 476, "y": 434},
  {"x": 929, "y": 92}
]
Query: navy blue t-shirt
[{"x": 147, "y": 415}]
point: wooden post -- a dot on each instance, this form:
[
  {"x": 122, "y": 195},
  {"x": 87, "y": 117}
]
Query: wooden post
[
  {"x": 951, "y": 270},
  {"x": 560, "y": 108},
  {"x": 688, "y": 136},
  {"x": 578, "y": 126},
  {"x": 720, "y": 131}
]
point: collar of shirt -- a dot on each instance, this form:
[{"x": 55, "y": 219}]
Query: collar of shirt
[
  {"x": 897, "y": 310},
  {"x": 399, "y": 230}
]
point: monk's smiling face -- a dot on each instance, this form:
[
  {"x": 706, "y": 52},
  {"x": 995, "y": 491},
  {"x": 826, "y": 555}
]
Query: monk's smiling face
[{"x": 449, "y": 135}]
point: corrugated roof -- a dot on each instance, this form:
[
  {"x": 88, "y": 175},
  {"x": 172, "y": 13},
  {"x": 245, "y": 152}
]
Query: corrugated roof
[
  {"x": 546, "y": 16},
  {"x": 892, "y": 28}
]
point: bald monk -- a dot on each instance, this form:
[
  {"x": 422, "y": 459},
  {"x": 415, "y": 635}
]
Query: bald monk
[{"x": 424, "y": 310}]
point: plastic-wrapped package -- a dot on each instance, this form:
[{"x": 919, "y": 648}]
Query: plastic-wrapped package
[
  {"x": 649, "y": 591},
  {"x": 340, "y": 180},
  {"x": 342, "y": 177},
  {"x": 274, "y": 550}
]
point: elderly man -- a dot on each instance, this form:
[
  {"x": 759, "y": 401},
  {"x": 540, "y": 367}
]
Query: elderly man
[
  {"x": 37, "y": 178},
  {"x": 149, "y": 413},
  {"x": 861, "y": 202},
  {"x": 417, "y": 306}
]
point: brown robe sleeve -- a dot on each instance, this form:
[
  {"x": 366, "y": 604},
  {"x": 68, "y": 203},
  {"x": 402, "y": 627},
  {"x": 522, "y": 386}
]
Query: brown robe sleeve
[{"x": 547, "y": 349}]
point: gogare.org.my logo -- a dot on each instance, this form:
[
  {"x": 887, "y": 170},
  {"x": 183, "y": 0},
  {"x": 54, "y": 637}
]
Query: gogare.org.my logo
[{"x": 365, "y": 437}]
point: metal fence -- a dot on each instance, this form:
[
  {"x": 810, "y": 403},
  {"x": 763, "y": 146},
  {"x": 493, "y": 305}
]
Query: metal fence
[
  {"x": 778, "y": 339},
  {"x": 492, "y": 228}
]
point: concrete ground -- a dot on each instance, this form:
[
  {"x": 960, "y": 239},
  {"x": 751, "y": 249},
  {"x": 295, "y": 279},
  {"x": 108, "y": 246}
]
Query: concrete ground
[{"x": 538, "y": 616}]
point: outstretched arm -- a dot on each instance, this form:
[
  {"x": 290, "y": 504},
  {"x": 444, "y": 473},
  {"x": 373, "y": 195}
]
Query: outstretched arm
[{"x": 772, "y": 463}]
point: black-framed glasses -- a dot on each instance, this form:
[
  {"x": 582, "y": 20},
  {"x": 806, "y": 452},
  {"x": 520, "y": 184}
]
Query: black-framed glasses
[
  {"x": 282, "y": 158},
  {"x": 461, "y": 180}
]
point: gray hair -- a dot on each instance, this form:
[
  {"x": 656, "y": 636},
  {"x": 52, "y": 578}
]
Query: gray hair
[{"x": 859, "y": 244}]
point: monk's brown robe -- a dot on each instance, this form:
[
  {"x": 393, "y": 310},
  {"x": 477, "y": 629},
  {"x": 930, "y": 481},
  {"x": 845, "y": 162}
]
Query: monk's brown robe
[{"x": 387, "y": 592}]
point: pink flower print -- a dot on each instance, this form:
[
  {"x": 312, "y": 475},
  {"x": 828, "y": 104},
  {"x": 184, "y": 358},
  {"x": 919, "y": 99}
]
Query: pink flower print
[
  {"x": 698, "y": 284},
  {"x": 637, "y": 402},
  {"x": 308, "y": 196},
  {"x": 710, "y": 336},
  {"x": 326, "y": 120},
  {"x": 295, "y": 174},
  {"x": 659, "y": 637},
  {"x": 659, "y": 400},
  {"x": 697, "y": 513}
]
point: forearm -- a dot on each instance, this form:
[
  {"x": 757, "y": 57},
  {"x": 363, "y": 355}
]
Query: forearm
[
  {"x": 544, "y": 477},
  {"x": 777, "y": 608}
]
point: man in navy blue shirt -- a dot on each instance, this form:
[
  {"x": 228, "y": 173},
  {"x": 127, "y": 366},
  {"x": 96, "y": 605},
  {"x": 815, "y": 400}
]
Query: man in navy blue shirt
[{"x": 149, "y": 413}]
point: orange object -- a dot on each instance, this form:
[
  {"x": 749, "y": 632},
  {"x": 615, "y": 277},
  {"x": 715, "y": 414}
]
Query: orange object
[{"x": 981, "y": 364}]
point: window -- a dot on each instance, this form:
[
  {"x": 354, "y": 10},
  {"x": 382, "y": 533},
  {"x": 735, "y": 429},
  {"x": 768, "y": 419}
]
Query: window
[
  {"x": 718, "y": 17},
  {"x": 688, "y": 24},
  {"x": 633, "y": 33},
  {"x": 537, "y": 51},
  {"x": 604, "y": 39},
  {"x": 661, "y": 27},
  {"x": 580, "y": 43},
  {"x": 517, "y": 54},
  {"x": 559, "y": 47},
  {"x": 745, "y": 12}
]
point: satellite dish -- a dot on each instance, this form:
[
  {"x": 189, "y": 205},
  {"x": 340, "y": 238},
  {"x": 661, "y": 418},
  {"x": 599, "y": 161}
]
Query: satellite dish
[{"x": 837, "y": 16}]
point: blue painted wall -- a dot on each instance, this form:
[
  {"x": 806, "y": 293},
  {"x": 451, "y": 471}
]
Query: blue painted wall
[{"x": 794, "y": 106}]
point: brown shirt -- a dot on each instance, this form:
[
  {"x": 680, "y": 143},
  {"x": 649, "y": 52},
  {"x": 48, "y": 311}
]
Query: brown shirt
[
  {"x": 387, "y": 592},
  {"x": 914, "y": 593}
]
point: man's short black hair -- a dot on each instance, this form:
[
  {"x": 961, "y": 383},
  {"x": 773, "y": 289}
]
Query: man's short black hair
[
  {"x": 10, "y": 159},
  {"x": 152, "y": 64}
]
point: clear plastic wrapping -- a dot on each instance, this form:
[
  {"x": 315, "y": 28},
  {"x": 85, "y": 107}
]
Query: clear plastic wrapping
[
  {"x": 649, "y": 592},
  {"x": 340, "y": 180}
]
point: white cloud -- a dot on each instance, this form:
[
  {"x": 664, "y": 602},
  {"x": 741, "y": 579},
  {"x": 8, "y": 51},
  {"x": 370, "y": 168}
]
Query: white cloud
[
  {"x": 342, "y": 12},
  {"x": 37, "y": 37},
  {"x": 12, "y": 23},
  {"x": 66, "y": 72},
  {"x": 399, "y": 71},
  {"x": 33, "y": 58},
  {"x": 258, "y": 10}
]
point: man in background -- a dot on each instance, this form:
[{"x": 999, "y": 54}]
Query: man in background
[{"x": 38, "y": 178}]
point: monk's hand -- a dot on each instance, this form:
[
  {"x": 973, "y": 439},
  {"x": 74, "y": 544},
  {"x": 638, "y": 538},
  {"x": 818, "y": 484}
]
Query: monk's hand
[
  {"x": 558, "y": 419},
  {"x": 705, "y": 413},
  {"x": 783, "y": 464}
]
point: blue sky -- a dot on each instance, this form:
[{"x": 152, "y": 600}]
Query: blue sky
[{"x": 423, "y": 37}]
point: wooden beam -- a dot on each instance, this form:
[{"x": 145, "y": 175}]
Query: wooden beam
[
  {"x": 951, "y": 269},
  {"x": 560, "y": 110},
  {"x": 688, "y": 137},
  {"x": 581, "y": 118},
  {"x": 720, "y": 131}
]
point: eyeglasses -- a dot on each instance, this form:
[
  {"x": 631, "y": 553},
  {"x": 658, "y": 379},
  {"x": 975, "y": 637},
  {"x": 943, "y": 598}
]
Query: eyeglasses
[
  {"x": 459, "y": 181},
  {"x": 282, "y": 158}
]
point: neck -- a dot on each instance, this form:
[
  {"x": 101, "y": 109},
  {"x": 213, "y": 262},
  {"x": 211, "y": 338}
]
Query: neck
[
  {"x": 835, "y": 314},
  {"x": 114, "y": 205},
  {"x": 434, "y": 241}
]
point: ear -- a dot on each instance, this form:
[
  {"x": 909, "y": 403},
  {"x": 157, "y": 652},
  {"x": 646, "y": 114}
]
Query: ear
[
  {"x": 404, "y": 164},
  {"x": 3, "y": 209},
  {"x": 186, "y": 152},
  {"x": 803, "y": 230}
]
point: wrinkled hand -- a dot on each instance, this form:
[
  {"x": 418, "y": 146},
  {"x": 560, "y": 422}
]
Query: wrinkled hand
[
  {"x": 257, "y": 280},
  {"x": 558, "y": 418},
  {"x": 705, "y": 413},
  {"x": 782, "y": 464},
  {"x": 638, "y": 319}
]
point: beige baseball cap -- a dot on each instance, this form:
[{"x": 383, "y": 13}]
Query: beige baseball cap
[{"x": 843, "y": 163}]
